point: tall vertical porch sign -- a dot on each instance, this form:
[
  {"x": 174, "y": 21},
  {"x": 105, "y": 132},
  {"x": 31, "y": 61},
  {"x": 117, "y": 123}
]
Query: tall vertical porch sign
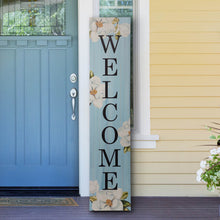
[{"x": 110, "y": 114}]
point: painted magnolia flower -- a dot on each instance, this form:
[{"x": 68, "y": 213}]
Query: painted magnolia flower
[
  {"x": 203, "y": 164},
  {"x": 213, "y": 151},
  {"x": 125, "y": 134},
  {"x": 123, "y": 30},
  {"x": 108, "y": 200},
  {"x": 218, "y": 150},
  {"x": 101, "y": 26},
  {"x": 97, "y": 92},
  {"x": 93, "y": 186}
]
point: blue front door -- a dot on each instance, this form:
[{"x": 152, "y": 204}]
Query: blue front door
[{"x": 38, "y": 53}]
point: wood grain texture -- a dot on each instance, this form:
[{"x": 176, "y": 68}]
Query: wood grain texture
[
  {"x": 177, "y": 157},
  {"x": 177, "y": 59},
  {"x": 190, "y": 113},
  {"x": 185, "y": 37},
  {"x": 179, "y": 5},
  {"x": 164, "y": 91},
  {"x": 176, "y": 179},
  {"x": 192, "y": 70},
  {"x": 183, "y": 26},
  {"x": 184, "y": 16},
  {"x": 185, "y": 102},
  {"x": 172, "y": 190},
  {"x": 164, "y": 168},
  {"x": 181, "y": 124},
  {"x": 184, "y": 135},
  {"x": 143, "y": 208},
  {"x": 193, "y": 81},
  {"x": 188, "y": 48}
]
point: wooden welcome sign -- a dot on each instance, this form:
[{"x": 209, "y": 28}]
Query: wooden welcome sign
[{"x": 110, "y": 114}]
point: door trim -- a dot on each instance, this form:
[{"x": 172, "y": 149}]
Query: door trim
[{"x": 84, "y": 13}]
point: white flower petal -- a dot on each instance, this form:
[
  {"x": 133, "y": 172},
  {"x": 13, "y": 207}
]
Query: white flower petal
[
  {"x": 110, "y": 195},
  {"x": 96, "y": 91},
  {"x": 93, "y": 186},
  {"x": 124, "y": 133},
  {"x": 93, "y": 26},
  {"x": 101, "y": 195},
  {"x": 117, "y": 205},
  {"x": 124, "y": 29},
  {"x": 125, "y": 141},
  {"x": 198, "y": 179},
  {"x": 91, "y": 98},
  {"x": 96, "y": 205},
  {"x": 126, "y": 124},
  {"x": 108, "y": 28},
  {"x": 199, "y": 172},
  {"x": 213, "y": 151},
  {"x": 203, "y": 164},
  {"x": 94, "y": 36},
  {"x": 117, "y": 193},
  {"x": 103, "y": 203},
  {"x": 98, "y": 103}
]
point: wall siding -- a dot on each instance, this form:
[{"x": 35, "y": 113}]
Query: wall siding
[{"x": 185, "y": 96}]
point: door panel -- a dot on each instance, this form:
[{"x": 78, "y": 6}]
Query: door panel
[
  {"x": 32, "y": 101},
  {"x": 7, "y": 103},
  {"x": 38, "y": 139}
]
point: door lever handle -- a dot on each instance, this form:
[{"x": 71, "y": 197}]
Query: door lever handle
[{"x": 73, "y": 94}]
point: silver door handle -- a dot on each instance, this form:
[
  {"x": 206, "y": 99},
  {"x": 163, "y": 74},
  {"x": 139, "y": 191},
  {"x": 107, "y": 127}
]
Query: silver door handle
[{"x": 73, "y": 94}]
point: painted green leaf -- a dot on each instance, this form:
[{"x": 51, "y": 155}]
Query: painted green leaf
[
  {"x": 91, "y": 74},
  {"x": 127, "y": 149},
  {"x": 218, "y": 137},
  {"x": 126, "y": 203},
  {"x": 117, "y": 35},
  {"x": 213, "y": 137},
  {"x": 124, "y": 195},
  {"x": 115, "y": 21},
  {"x": 92, "y": 198}
]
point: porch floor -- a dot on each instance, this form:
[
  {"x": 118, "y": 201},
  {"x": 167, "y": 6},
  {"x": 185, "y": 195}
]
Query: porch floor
[{"x": 143, "y": 208}]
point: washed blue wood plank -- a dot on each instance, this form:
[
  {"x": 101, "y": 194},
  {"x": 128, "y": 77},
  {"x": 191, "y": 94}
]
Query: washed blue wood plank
[
  {"x": 42, "y": 42},
  {"x": 58, "y": 117},
  {"x": 61, "y": 42},
  {"x": 110, "y": 114},
  {"x": 142, "y": 208},
  {"x": 8, "y": 107},
  {"x": 3, "y": 42},
  {"x": 22, "y": 43},
  {"x": 20, "y": 111},
  {"x": 32, "y": 133},
  {"x": 45, "y": 107}
]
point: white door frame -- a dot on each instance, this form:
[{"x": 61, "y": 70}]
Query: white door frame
[{"x": 85, "y": 11}]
